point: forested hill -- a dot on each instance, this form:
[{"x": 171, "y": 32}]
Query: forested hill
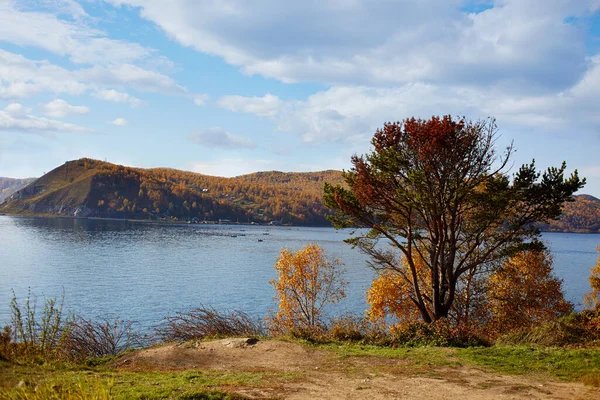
[
  {"x": 9, "y": 185},
  {"x": 94, "y": 188},
  {"x": 91, "y": 188},
  {"x": 581, "y": 215}
]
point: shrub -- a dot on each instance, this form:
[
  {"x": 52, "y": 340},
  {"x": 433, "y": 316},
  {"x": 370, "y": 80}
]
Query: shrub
[
  {"x": 85, "y": 338},
  {"x": 205, "y": 322},
  {"x": 32, "y": 334}
]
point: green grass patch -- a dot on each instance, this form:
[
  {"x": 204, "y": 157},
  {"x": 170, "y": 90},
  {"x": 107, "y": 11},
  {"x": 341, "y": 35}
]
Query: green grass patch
[
  {"x": 23, "y": 382},
  {"x": 564, "y": 364}
]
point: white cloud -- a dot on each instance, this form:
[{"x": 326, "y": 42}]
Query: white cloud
[
  {"x": 266, "y": 106},
  {"x": 381, "y": 42},
  {"x": 21, "y": 77},
  {"x": 219, "y": 138},
  {"x": 229, "y": 167},
  {"x": 117, "y": 97},
  {"x": 16, "y": 109},
  {"x": 59, "y": 108},
  {"x": 74, "y": 39},
  {"x": 15, "y": 117},
  {"x": 120, "y": 122},
  {"x": 201, "y": 99}
]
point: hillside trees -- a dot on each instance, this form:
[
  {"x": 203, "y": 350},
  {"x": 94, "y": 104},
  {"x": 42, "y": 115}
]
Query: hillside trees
[{"x": 436, "y": 190}]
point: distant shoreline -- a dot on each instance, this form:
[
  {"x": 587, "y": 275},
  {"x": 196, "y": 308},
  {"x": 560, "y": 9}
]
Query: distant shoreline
[{"x": 158, "y": 222}]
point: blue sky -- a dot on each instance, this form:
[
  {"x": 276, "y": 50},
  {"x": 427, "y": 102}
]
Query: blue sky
[{"x": 227, "y": 87}]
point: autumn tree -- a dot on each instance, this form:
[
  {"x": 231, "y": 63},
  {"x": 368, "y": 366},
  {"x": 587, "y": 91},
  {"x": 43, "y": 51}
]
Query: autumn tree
[
  {"x": 524, "y": 291},
  {"x": 592, "y": 298},
  {"x": 437, "y": 190},
  {"x": 306, "y": 281}
]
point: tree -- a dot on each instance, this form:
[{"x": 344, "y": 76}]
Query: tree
[
  {"x": 524, "y": 291},
  {"x": 592, "y": 298},
  {"x": 306, "y": 281},
  {"x": 437, "y": 190}
]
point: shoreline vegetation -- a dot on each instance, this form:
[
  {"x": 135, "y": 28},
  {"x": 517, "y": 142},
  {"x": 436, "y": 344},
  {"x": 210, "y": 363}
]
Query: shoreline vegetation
[
  {"x": 207, "y": 354},
  {"x": 465, "y": 303}
]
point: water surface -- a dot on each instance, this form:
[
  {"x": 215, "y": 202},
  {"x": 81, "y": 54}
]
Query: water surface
[{"x": 143, "y": 272}]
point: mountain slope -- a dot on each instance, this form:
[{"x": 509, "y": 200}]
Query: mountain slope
[
  {"x": 581, "y": 215},
  {"x": 88, "y": 187},
  {"x": 9, "y": 186}
]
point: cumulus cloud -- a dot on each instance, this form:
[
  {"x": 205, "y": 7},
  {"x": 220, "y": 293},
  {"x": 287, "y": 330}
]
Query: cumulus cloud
[
  {"x": 15, "y": 117},
  {"x": 381, "y": 42},
  {"x": 120, "y": 122},
  {"x": 71, "y": 38},
  {"x": 266, "y": 106},
  {"x": 59, "y": 108},
  {"x": 21, "y": 77},
  {"x": 117, "y": 97},
  {"x": 219, "y": 138}
]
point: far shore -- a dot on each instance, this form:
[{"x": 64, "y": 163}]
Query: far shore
[{"x": 232, "y": 223}]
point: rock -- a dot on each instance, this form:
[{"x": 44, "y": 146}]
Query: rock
[{"x": 239, "y": 343}]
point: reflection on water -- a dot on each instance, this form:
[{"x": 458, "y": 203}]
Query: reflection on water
[{"x": 143, "y": 271}]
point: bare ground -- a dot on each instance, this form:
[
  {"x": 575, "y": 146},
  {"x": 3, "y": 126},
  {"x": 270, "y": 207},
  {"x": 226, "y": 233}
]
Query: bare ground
[{"x": 319, "y": 374}]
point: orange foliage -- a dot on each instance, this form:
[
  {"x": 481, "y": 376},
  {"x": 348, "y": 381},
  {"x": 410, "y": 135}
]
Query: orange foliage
[
  {"x": 389, "y": 295},
  {"x": 307, "y": 281},
  {"x": 592, "y": 299},
  {"x": 524, "y": 291}
]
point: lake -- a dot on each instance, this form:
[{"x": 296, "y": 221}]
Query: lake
[{"x": 144, "y": 272}]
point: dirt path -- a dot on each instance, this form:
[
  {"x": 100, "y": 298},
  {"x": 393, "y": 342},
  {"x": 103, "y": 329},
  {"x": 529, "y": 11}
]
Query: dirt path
[{"x": 323, "y": 375}]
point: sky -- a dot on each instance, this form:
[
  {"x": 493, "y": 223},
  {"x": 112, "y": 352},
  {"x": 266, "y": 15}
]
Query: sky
[{"x": 228, "y": 87}]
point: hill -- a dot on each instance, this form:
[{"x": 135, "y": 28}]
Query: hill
[
  {"x": 581, "y": 215},
  {"x": 9, "y": 185},
  {"x": 91, "y": 188}
]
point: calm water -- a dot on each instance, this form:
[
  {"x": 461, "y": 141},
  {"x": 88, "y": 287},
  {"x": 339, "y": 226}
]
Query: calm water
[{"x": 144, "y": 272}]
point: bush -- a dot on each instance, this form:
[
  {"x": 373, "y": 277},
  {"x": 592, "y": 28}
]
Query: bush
[
  {"x": 440, "y": 333},
  {"x": 573, "y": 329},
  {"x": 206, "y": 322},
  {"x": 47, "y": 336},
  {"x": 85, "y": 338},
  {"x": 35, "y": 335}
]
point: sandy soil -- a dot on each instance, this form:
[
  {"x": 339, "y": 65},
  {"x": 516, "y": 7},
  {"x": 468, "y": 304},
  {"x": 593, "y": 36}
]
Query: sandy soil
[{"x": 322, "y": 375}]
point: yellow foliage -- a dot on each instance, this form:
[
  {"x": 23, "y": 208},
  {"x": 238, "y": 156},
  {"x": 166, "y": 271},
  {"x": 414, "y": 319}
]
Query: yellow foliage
[
  {"x": 524, "y": 291},
  {"x": 592, "y": 299},
  {"x": 389, "y": 295},
  {"x": 392, "y": 294},
  {"x": 307, "y": 281}
]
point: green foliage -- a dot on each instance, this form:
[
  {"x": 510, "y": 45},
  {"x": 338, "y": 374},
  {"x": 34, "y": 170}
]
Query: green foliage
[
  {"x": 436, "y": 191},
  {"x": 36, "y": 335}
]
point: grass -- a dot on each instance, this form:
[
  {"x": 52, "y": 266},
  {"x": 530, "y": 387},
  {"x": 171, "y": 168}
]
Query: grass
[
  {"x": 426, "y": 356},
  {"x": 101, "y": 381},
  {"x": 559, "y": 363},
  {"x": 64, "y": 381}
]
